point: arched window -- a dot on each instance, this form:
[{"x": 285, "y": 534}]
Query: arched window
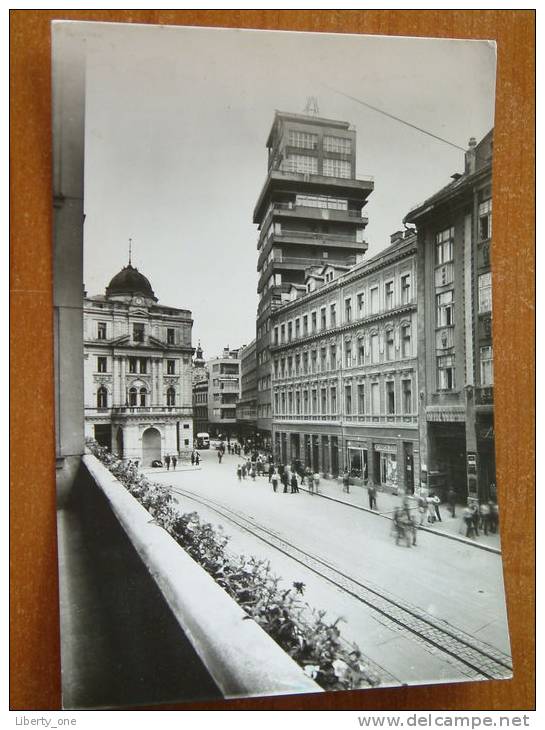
[
  {"x": 171, "y": 397},
  {"x": 132, "y": 396},
  {"x": 102, "y": 397},
  {"x": 143, "y": 394}
]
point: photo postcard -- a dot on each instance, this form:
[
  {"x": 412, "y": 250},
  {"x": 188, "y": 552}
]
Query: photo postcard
[{"x": 273, "y": 259}]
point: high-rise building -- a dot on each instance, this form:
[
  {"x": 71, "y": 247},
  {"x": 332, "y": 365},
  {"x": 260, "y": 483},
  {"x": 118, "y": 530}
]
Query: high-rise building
[
  {"x": 456, "y": 361},
  {"x": 308, "y": 212},
  {"x": 223, "y": 393},
  {"x": 246, "y": 406}
]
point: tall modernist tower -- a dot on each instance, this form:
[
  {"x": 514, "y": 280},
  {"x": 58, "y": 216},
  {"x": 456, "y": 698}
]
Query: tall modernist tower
[{"x": 308, "y": 212}]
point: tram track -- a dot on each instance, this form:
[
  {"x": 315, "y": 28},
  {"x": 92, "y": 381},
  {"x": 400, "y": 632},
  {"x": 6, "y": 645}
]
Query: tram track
[{"x": 472, "y": 657}]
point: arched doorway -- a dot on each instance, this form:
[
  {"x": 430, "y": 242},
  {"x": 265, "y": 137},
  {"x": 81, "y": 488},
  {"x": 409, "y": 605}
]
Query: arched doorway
[{"x": 151, "y": 446}]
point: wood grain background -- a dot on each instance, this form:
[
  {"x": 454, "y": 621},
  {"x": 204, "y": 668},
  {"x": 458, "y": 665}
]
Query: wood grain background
[{"x": 34, "y": 648}]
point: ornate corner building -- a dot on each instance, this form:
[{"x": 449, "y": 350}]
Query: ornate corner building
[{"x": 137, "y": 371}]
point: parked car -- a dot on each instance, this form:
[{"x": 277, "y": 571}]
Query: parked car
[{"x": 157, "y": 463}]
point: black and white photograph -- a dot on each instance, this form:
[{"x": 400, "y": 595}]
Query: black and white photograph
[{"x": 274, "y": 363}]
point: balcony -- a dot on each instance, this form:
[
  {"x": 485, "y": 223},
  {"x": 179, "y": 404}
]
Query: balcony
[
  {"x": 294, "y": 235},
  {"x": 312, "y": 212},
  {"x": 295, "y": 263},
  {"x": 484, "y": 395}
]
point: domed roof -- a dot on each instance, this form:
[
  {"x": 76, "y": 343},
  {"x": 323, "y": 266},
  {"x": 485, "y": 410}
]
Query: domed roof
[{"x": 129, "y": 281}]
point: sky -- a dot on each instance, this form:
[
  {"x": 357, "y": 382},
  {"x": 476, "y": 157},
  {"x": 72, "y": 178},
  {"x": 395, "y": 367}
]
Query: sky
[{"x": 176, "y": 124}]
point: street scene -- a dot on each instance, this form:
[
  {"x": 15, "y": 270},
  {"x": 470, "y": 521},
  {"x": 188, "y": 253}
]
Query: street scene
[{"x": 281, "y": 431}]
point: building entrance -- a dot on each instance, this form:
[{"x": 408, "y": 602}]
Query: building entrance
[
  {"x": 151, "y": 446},
  {"x": 103, "y": 434}
]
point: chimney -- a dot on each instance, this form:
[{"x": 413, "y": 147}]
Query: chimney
[
  {"x": 471, "y": 156},
  {"x": 395, "y": 237},
  {"x": 225, "y": 352}
]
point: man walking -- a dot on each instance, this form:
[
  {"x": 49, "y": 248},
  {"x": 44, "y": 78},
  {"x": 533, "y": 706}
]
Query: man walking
[
  {"x": 174, "y": 462},
  {"x": 167, "y": 461},
  {"x": 220, "y": 455},
  {"x": 372, "y": 494},
  {"x": 294, "y": 485},
  {"x": 451, "y": 499},
  {"x": 346, "y": 482}
]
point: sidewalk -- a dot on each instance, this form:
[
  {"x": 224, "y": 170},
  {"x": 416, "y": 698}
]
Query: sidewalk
[{"x": 451, "y": 527}]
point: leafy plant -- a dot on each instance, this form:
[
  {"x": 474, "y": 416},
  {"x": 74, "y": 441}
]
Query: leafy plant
[{"x": 302, "y": 631}]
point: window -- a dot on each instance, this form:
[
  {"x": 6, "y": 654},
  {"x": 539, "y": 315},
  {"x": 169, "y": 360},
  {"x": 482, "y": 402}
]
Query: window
[
  {"x": 138, "y": 332},
  {"x": 323, "y": 322},
  {"x": 132, "y": 365},
  {"x": 170, "y": 336},
  {"x": 485, "y": 292},
  {"x": 405, "y": 289},
  {"x": 485, "y": 220},
  {"x": 171, "y": 397},
  {"x": 301, "y": 163},
  {"x": 389, "y": 342},
  {"x": 305, "y": 363},
  {"x": 143, "y": 364},
  {"x": 375, "y": 399},
  {"x": 337, "y": 144},
  {"x": 102, "y": 364},
  {"x": 336, "y": 168},
  {"x": 297, "y": 402},
  {"x": 361, "y": 304},
  {"x": 321, "y": 201},
  {"x": 333, "y": 357},
  {"x": 323, "y": 400},
  {"x": 487, "y": 365},
  {"x": 314, "y": 401},
  {"x": 445, "y": 308},
  {"x": 282, "y": 333},
  {"x": 347, "y": 310},
  {"x": 374, "y": 300},
  {"x": 297, "y": 364},
  {"x": 348, "y": 354},
  {"x": 445, "y": 372},
  {"x": 444, "y": 246},
  {"x": 390, "y": 398},
  {"x": 290, "y": 402},
  {"x": 297, "y": 328},
  {"x": 348, "y": 399},
  {"x": 361, "y": 352},
  {"x": 305, "y": 324},
  {"x": 333, "y": 397},
  {"x": 305, "y": 401},
  {"x": 406, "y": 389},
  {"x": 102, "y": 397},
  {"x": 374, "y": 348},
  {"x": 406, "y": 340},
  {"x": 101, "y": 330},
  {"x": 323, "y": 359},
  {"x": 389, "y": 294},
  {"x": 333, "y": 315},
  {"x": 276, "y": 403},
  {"x": 304, "y": 140},
  {"x": 276, "y": 335},
  {"x": 143, "y": 396},
  {"x": 314, "y": 360},
  {"x": 171, "y": 367},
  {"x": 313, "y": 319},
  {"x": 361, "y": 398},
  {"x": 290, "y": 365}
]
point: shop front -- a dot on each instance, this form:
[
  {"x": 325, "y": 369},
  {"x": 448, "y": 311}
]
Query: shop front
[{"x": 386, "y": 467}]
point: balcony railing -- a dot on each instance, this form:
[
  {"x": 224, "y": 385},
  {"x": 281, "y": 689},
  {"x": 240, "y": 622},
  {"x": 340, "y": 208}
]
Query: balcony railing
[{"x": 484, "y": 395}]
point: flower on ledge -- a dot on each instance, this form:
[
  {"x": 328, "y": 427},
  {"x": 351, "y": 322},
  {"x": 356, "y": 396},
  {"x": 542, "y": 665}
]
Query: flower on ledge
[{"x": 299, "y": 587}]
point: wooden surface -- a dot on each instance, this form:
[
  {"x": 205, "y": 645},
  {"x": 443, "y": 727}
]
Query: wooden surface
[{"x": 35, "y": 668}]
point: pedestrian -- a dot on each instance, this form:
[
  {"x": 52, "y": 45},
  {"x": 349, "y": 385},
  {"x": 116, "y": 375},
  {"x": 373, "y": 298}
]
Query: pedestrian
[
  {"x": 476, "y": 519},
  {"x": 271, "y": 472},
  {"x": 239, "y": 472},
  {"x": 484, "y": 512},
  {"x": 346, "y": 481},
  {"x": 451, "y": 499},
  {"x": 422, "y": 508},
  {"x": 315, "y": 479},
  {"x": 372, "y": 495},
  {"x": 243, "y": 469},
  {"x": 284, "y": 479},
  {"x": 467, "y": 517},
  {"x": 494, "y": 517},
  {"x": 434, "y": 503},
  {"x": 220, "y": 455},
  {"x": 167, "y": 461},
  {"x": 274, "y": 480},
  {"x": 197, "y": 459},
  {"x": 174, "y": 462},
  {"x": 228, "y": 447},
  {"x": 308, "y": 473},
  {"x": 192, "y": 458},
  {"x": 252, "y": 473},
  {"x": 294, "y": 484}
]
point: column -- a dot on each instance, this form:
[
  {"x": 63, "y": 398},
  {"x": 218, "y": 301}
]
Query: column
[
  {"x": 153, "y": 382},
  {"x": 320, "y": 454},
  {"x": 372, "y": 456},
  {"x": 160, "y": 397},
  {"x": 123, "y": 381},
  {"x": 115, "y": 381}
]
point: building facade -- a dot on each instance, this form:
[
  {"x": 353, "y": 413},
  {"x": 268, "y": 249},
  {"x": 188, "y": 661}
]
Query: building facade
[
  {"x": 223, "y": 393},
  {"x": 246, "y": 410},
  {"x": 309, "y": 212},
  {"x": 200, "y": 393},
  {"x": 456, "y": 365},
  {"x": 137, "y": 371},
  {"x": 344, "y": 376}
]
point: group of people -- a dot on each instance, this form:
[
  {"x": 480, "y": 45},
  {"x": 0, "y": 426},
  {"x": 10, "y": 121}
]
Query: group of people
[
  {"x": 195, "y": 458},
  {"x": 484, "y": 516},
  {"x": 290, "y": 477},
  {"x": 171, "y": 460}
]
